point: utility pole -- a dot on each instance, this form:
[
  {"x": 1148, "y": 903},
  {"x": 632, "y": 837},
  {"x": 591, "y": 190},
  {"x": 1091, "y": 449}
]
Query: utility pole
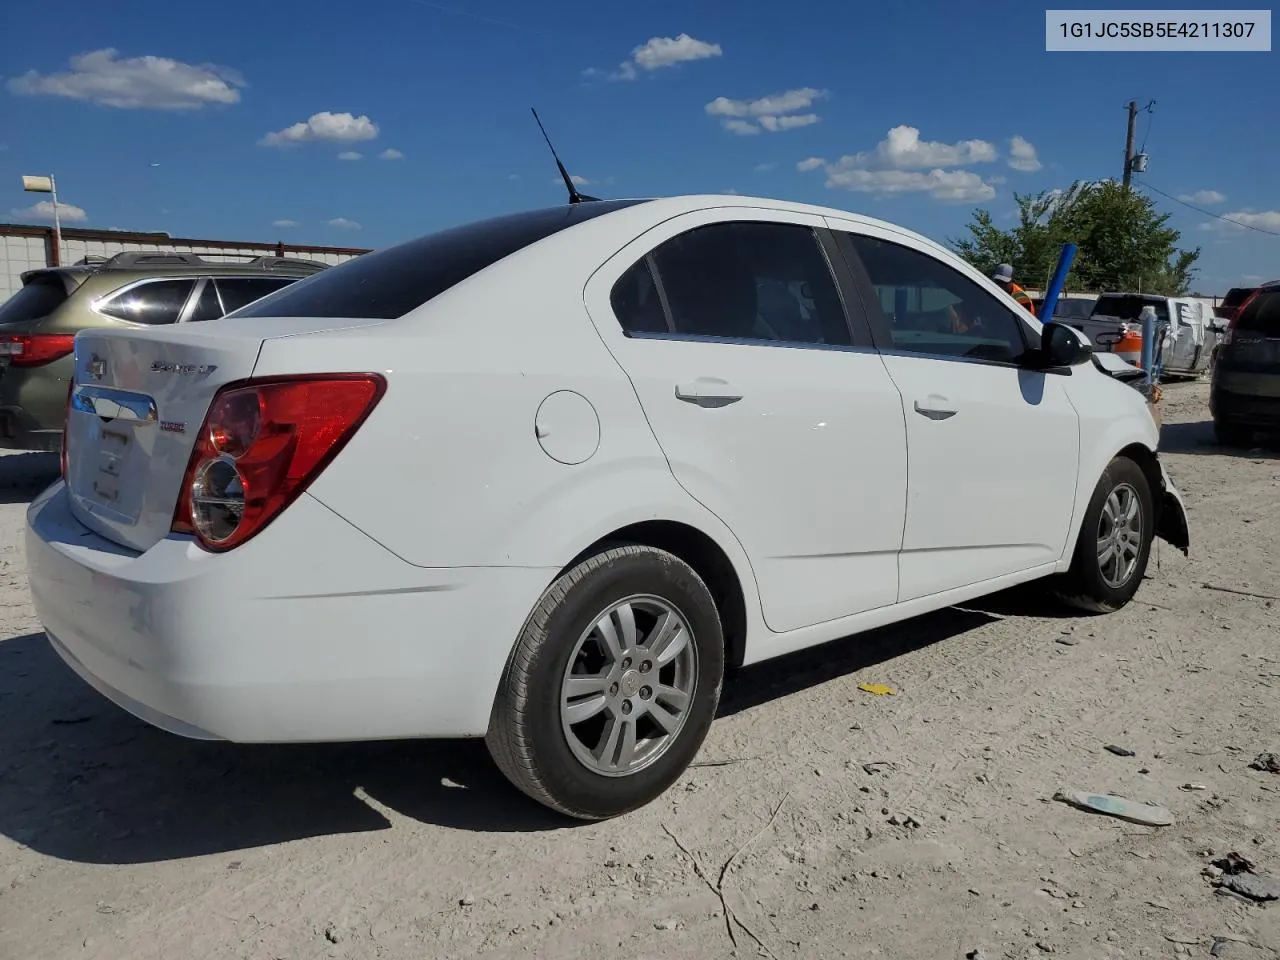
[{"x": 1128, "y": 143}]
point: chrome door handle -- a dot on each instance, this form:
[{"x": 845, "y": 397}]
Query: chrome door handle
[
  {"x": 935, "y": 408},
  {"x": 707, "y": 392}
]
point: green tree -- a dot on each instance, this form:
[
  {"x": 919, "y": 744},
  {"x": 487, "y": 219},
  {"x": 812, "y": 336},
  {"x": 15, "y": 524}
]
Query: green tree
[{"x": 1123, "y": 242}]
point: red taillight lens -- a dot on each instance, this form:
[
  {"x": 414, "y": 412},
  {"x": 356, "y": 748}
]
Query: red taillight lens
[
  {"x": 35, "y": 349},
  {"x": 1229, "y": 334},
  {"x": 260, "y": 446}
]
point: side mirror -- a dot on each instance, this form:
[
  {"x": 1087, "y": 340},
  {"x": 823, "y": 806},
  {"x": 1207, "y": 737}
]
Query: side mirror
[{"x": 1063, "y": 346}]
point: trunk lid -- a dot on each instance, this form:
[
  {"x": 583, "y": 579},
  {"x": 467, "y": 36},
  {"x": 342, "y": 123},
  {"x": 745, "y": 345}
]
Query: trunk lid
[{"x": 139, "y": 400}]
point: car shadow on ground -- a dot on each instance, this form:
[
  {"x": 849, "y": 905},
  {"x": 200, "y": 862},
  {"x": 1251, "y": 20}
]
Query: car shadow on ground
[
  {"x": 82, "y": 780},
  {"x": 24, "y": 475},
  {"x": 1197, "y": 438}
]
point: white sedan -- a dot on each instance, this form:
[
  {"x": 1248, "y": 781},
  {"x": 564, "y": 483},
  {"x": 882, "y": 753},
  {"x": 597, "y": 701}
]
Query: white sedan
[{"x": 541, "y": 478}]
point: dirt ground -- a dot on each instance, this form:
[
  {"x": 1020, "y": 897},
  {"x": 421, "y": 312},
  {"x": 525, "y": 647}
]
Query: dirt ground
[{"x": 119, "y": 841}]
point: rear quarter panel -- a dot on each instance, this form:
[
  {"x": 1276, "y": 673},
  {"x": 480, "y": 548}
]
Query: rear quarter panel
[{"x": 448, "y": 471}]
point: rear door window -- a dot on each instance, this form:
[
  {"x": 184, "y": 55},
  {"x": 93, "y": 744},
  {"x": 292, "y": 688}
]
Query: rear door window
[
  {"x": 153, "y": 302},
  {"x": 38, "y": 298},
  {"x": 1261, "y": 316},
  {"x": 767, "y": 282},
  {"x": 239, "y": 292},
  {"x": 389, "y": 283}
]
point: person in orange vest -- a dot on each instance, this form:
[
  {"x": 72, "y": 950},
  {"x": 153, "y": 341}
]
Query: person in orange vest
[{"x": 1004, "y": 277}]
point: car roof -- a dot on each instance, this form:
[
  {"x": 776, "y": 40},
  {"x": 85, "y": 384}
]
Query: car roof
[
  {"x": 135, "y": 264},
  {"x": 688, "y": 203}
]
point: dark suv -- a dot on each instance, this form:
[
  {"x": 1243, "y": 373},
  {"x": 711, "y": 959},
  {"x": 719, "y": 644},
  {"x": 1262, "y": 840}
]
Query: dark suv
[
  {"x": 38, "y": 324},
  {"x": 1245, "y": 396}
]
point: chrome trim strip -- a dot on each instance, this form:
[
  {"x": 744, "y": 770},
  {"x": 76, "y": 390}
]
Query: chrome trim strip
[{"x": 112, "y": 404}]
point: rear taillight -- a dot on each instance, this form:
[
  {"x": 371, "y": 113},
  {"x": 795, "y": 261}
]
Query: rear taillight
[
  {"x": 66, "y": 426},
  {"x": 1229, "y": 334},
  {"x": 260, "y": 446},
  {"x": 35, "y": 349}
]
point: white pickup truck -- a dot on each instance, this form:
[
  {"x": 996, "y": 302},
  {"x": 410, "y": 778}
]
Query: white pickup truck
[{"x": 1190, "y": 330}]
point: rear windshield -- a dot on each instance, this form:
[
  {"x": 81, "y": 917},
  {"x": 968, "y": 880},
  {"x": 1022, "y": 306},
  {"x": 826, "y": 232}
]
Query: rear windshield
[
  {"x": 38, "y": 298},
  {"x": 1073, "y": 308},
  {"x": 1262, "y": 315},
  {"x": 391, "y": 282},
  {"x": 1236, "y": 296},
  {"x": 1128, "y": 306}
]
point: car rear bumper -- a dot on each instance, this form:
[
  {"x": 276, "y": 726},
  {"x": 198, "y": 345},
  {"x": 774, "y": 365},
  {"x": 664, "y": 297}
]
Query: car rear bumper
[
  {"x": 1245, "y": 408},
  {"x": 309, "y": 632}
]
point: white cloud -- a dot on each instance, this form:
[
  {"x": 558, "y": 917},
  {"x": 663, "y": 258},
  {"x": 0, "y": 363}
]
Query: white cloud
[
  {"x": 137, "y": 83},
  {"x": 42, "y": 212},
  {"x": 513, "y": 176},
  {"x": 1263, "y": 220},
  {"x": 902, "y": 148},
  {"x": 391, "y": 154},
  {"x": 951, "y": 185},
  {"x": 326, "y": 126},
  {"x": 1202, "y": 197},
  {"x": 659, "y": 52},
  {"x": 1022, "y": 156},
  {"x": 765, "y": 167},
  {"x": 342, "y": 223},
  {"x": 903, "y": 163},
  {"x": 284, "y": 223},
  {"x": 577, "y": 180},
  {"x": 775, "y": 112},
  {"x": 350, "y": 155}
]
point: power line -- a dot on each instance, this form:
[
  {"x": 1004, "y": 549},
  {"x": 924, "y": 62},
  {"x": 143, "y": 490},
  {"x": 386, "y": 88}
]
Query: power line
[
  {"x": 1210, "y": 213},
  {"x": 1150, "y": 110}
]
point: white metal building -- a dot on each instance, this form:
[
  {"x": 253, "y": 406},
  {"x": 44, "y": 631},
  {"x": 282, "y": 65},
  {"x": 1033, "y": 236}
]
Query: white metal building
[{"x": 24, "y": 247}]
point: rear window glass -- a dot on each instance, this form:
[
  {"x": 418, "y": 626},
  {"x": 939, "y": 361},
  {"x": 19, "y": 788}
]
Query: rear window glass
[
  {"x": 1236, "y": 296},
  {"x": 37, "y": 299},
  {"x": 1262, "y": 315},
  {"x": 153, "y": 302},
  {"x": 1129, "y": 307},
  {"x": 391, "y": 282},
  {"x": 239, "y": 292}
]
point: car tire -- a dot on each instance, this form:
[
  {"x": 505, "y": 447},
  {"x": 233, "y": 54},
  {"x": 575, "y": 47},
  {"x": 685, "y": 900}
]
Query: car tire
[
  {"x": 1229, "y": 434},
  {"x": 552, "y": 731},
  {"x": 1102, "y": 580}
]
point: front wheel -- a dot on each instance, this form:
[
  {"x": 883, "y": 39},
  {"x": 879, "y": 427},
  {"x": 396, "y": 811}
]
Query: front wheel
[
  {"x": 612, "y": 685},
  {"x": 1114, "y": 543}
]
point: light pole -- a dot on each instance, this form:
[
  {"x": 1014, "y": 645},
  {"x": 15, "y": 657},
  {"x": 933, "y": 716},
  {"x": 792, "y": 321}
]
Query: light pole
[{"x": 49, "y": 186}]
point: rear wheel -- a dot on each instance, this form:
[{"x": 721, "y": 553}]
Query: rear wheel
[
  {"x": 1114, "y": 543},
  {"x": 1231, "y": 434},
  {"x": 612, "y": 686}
]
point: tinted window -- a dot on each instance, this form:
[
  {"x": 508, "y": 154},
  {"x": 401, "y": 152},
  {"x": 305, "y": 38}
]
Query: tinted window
[
  {"x": 1128, "y": 306},
  {"x": 207, "y": 306},
  {"x": 755, "y": 281},
  {"x": 1073, "y": 309},
  {"x": 636, "y": 302},
  {"x": 239, "y": 292},
  {"x": 1236, "y": 296},
  {"x": 391, "y": 282},
  {"x": 933, "y": 308},
  {"x": 1262, "y": 315},
  {"x": 38, "y": 298},
  {"x": 158, "y": 301}
]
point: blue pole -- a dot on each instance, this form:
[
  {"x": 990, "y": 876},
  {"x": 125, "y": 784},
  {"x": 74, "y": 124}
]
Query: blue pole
[
  {"x": 1148, "y": 317},
  {"x": 1056, "y": 284}
]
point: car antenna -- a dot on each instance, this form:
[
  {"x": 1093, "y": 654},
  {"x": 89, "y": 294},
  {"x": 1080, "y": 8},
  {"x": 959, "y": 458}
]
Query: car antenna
[{"x": 574, "y": 195}]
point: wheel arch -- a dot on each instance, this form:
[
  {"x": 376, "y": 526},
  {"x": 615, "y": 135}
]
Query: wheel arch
[{"x": 701, "y": 552}]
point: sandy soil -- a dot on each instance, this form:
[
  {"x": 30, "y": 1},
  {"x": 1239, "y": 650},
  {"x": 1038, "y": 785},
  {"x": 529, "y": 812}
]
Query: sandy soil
[{"x": 118, "y": 841}]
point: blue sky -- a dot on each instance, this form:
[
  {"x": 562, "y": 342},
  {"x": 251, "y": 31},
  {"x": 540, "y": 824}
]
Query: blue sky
[{"x": 641, "y": 99}]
